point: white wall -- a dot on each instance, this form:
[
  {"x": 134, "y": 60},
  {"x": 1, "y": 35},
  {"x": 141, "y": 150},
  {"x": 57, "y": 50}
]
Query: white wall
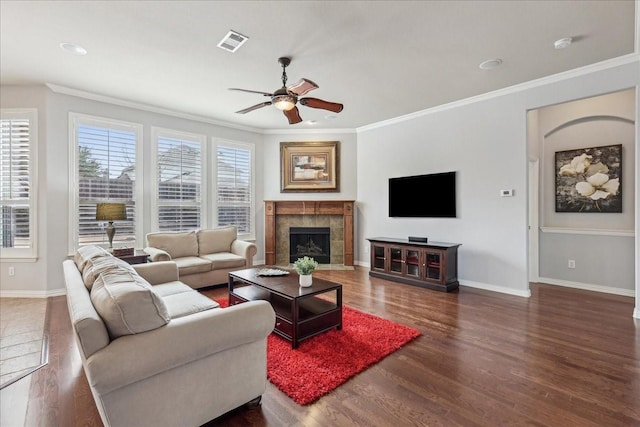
[
  {"x": 485, "y": 144},
  {"x": 485, "y": 141}
]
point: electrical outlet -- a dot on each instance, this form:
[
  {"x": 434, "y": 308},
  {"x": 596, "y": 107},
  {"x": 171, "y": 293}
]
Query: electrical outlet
[
  {"x": 12, "y": 271},
  {"x": 571, "y": 263}
]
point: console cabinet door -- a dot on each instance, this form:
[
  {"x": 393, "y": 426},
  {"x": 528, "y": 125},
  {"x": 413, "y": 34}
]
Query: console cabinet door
[
  {"x": 413, "y": 260},
  {"x": 433, "y": 266},
  {"x": 378, "y": 257},
  {"x": 396, "y": 260}
]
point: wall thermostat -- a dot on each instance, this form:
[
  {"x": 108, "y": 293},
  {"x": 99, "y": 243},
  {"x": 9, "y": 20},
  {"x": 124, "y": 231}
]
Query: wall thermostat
[{"x": 506, "y": 193}]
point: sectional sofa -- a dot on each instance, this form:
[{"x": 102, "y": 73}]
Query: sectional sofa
[{"x": 157, "y": 352}]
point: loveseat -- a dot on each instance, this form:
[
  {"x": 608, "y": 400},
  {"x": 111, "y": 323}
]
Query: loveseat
[
  {"x": 157, "y": 352},
  {"x": 204, "y": 257}
]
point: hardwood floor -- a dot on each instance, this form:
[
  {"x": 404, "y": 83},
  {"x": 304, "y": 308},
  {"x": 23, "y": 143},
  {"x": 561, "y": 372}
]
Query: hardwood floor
[{"x": 563, "y": 357}]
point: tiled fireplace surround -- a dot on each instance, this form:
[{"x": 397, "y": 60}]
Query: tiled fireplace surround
[{"x": 335, "y": 214}]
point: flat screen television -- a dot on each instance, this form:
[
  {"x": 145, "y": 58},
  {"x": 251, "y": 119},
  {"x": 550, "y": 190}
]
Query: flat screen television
[{"x": 423, "y": 196}]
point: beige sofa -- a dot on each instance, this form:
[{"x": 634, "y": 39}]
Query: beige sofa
[
  {"x": 204, "y": 257},
  {"x": 155, "y": 351}
]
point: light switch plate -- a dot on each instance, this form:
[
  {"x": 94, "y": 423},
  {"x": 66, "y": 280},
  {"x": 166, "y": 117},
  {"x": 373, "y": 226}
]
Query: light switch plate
[{"x": 506, "y": 193}]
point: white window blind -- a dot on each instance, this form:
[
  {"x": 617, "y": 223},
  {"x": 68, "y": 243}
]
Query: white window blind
[
  {"x": 106, "y": 171},
  {"x": 235, "y": 193},
  {"x": 179, "y": 181},
  {"x": 17, "y": 195}
]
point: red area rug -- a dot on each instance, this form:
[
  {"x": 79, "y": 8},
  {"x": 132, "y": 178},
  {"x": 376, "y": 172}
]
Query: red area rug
[{"x": 322, "y": 363}]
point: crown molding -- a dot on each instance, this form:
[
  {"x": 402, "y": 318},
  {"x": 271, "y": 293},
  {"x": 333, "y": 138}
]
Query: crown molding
[
  {"x": 306, "y": 131},
  {"x": 64, "y": 90}
]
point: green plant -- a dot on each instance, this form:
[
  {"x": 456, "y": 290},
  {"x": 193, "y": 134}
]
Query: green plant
[{"x": 305, "y": 265}]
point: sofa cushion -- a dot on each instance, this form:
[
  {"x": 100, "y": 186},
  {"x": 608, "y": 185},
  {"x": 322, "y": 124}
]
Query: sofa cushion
[
  {"x": 96, "y": 266},
  {"x": 192, "y": 265},
  {"x": 216, "y": 239},
  {"x": 86, "y": 253},
  {"x": 127, "y": 303},
  {"x": 171, "y": 288},
  {"x": 185, "y": 303},
  {"x": 176, "y": 244},
  {"x": 225, "y": 260}
]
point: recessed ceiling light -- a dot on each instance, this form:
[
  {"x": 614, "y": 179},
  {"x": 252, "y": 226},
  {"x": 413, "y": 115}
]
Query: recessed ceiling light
[
  {"x": 330, "y": 117},
  {"x": 73, "y": 48},
  {"x": 491, "y": 63},
  {"x": 312, "y": 122},
  {"x": 562, "y": 43}
]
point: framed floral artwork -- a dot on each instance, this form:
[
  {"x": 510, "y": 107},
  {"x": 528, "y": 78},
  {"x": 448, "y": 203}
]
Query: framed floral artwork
[
  {"x": 309, "y": 166},
  {"x": 589, "y": 179}
]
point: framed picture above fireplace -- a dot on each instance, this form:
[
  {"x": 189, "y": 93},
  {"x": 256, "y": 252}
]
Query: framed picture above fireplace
[{"x": 309, "y": 166}]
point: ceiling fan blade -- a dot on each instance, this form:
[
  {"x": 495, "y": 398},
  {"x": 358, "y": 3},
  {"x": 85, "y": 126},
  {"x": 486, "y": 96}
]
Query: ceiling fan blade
[
  {"x": 319, "y": 103},
  {"x": 251, "y": 91},
  {"x": 254, "y": 107},
  {"x": 293, "y": 116},
  {"x": 302, "y": 87}
]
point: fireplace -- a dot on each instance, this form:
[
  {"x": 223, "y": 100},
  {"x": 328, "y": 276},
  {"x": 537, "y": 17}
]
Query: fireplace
[
  {"x": 280, "y": 215},
  {"x": 314, "y": 242}
]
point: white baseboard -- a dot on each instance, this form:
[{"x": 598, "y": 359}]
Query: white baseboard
[
  {"x": 589, "y": 287},
  {"x": 636, "y": 313},
  {"x": 477, "y": 285},
  {"x": 495, "y": 288},
  {"x": 32, "y": 294}
]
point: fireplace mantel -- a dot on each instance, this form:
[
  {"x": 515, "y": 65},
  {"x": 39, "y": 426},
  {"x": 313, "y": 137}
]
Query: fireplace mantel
[{"x": 274, "y": 208}]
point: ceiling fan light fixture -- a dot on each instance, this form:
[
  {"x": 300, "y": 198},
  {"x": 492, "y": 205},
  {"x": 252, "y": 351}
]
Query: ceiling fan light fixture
[{"x": 284, "y": 102}]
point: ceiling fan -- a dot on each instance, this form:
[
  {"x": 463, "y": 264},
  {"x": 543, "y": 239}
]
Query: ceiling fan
[{"x": 286, "y": 97}]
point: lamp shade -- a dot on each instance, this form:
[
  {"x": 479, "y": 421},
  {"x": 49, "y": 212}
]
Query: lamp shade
[{"x": 111, "y": 212}]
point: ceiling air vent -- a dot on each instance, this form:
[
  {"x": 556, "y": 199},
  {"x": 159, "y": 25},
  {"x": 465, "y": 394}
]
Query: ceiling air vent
[{"x": 232, "y": 41}]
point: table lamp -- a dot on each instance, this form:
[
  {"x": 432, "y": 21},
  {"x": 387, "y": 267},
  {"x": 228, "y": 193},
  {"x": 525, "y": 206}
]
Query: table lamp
[{"x": 111, "y": 212}]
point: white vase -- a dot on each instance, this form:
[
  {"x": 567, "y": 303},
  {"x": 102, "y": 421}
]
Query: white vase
[{"x": 305, "y": 280}]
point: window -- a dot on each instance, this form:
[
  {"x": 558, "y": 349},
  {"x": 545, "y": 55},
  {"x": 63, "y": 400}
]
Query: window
[
  {"x": 106, "y": 164},
  {"x": 235, "y": 187},
  {"x": 18, "y": 196},
  {"x": 178, "y": 181}
]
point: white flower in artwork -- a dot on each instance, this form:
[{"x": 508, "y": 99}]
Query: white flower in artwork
[
  {"x": 577, "y": 166},
  {"x": 598, "y": 186}
]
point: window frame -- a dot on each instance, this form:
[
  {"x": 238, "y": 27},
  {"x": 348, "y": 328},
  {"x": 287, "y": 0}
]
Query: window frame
[
  {"x": 158, "y": 132},
  {"x": 26, "y": 254},
  {"x": 76, "y": 119},
  {"x": 220, "y": 142}
]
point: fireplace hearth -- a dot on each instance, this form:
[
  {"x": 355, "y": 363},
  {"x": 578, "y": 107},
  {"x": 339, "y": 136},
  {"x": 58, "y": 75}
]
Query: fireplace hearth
[{"x": 314, "y": 242}]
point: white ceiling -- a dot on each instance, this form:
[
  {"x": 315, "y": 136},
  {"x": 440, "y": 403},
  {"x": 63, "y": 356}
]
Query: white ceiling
[{"x": 381, "y": 59}]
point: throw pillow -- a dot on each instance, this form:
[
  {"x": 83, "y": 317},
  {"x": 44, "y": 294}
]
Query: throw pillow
[
  {"x": 86, "y": 253},
  {"x": 95, "y": 266},
  {"x": 127, "y": 303},
  {"x": 177, "y": 244},
  {"x": 216, "y": 240}
]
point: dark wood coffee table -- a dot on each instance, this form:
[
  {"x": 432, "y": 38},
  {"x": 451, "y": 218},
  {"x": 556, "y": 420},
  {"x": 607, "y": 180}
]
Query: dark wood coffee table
[{"x": 300, "y": 312}]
